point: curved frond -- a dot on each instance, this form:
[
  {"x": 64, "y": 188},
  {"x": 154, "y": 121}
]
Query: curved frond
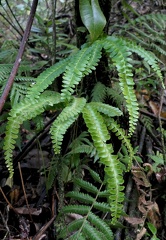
[
  {"x": 100, "y": 135},
  {"x": 120, "y": 55},
  {"x": 120, "y": 133},
  {"x": 25, "y": 110},
  {"x": 64, "y": 121},
  {"x": 146, "y": 55}
]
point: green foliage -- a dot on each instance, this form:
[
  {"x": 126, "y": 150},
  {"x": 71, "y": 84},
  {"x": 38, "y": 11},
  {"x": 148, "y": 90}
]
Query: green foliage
[
  {"x": 46, "y": 78},
  {"x": 21, "y": 112},
  {"x": 158, "y": 161},
  {"x": 120, "y": 55},
  {"x": 64, "y": 121},
  {"x": 147, "y": 30},
  {"x": 20, "y": 86},
  {"x": 80, "y": 65},
  {"x": 96, "y": 115},
  {"x": 120, "y": 133},
  {"x": 86, "y": 214},
  {"x": 92, "y": 17},
  {"x": 153, "y": 230},
  {"x": 99, "y": 92},
  {"x": 113, "y": 170}
]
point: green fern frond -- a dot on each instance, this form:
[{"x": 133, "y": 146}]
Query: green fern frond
[
  {"x": 120, "y": 55},
  {"x": 72, "y": 227},
  {"x": 100, "y": 135},
  {"x": 120, "y": 133},
  {"x": 158, "y": 49},
  {"x": 101, "y": 206},
  {"x": 91, "y": 232},
  {"x": 101, "y": 225},
  {"x": 138, "y": 39},
  {"x": 151, "y": 35},
  {"x": 94, "y": 220},
  {"x": 83, "y": 148},
  {"x": 148, "y": 123},
  {"x": 106, "y": 109},
  {"x": 99, "y": 92},
  {"x": 157, "y": 20},
  {"x": 94, "y": 57},
  {"x": 64, "y": 121},
  {"x": 80, "y": 140},
  {"x": 39, "y": 122},
  {"x": 18, "y": 92},
  {"x": 115, "y": 94},
  {"x": 80, "y": 65},
  {"x": 87, "y": 231},
  {"x": 46, "y": 78},
  {"x": 51, "y": 174},
  {"x": 5, "y": 70},
  {"x": 87, "y": 199},
  {"x": 25, "y": 110},
  {"x": 147, "y": 56}
]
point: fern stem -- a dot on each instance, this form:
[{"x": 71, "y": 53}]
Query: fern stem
[{"x": 90, "y": 209}]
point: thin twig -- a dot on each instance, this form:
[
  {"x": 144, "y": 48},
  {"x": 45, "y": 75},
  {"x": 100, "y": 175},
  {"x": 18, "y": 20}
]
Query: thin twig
[
  {"x": 10, "y": 206},
  {"x": 22, "y": 30},
  {"x": 53, "y": 31},
  {"x": 43, "y": 229},
  {"x": 19, "y": 56},
  {"x": 5, "y": 223},
  {"x": 23, "y": 187}
]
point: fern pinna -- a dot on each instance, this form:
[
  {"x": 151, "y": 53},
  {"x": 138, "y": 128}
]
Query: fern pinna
[{"x": 95, "y": 114}]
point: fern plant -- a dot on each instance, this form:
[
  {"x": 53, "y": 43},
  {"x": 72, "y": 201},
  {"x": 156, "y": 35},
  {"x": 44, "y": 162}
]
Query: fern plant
[
  {"x": 88, "y": 208},
  {"x": 97, "y": 116}
]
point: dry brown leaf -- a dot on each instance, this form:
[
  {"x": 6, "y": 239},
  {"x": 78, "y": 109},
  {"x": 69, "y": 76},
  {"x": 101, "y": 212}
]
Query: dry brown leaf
[
  {"x": 153, "y": 215},
  {"x": 160, "y": 176},
  {"x": 32, "y": 211},
  {"x": 140, "y": 177},
  {"x": 154, "y": 107},
  {"x": 134, "y": 220}
]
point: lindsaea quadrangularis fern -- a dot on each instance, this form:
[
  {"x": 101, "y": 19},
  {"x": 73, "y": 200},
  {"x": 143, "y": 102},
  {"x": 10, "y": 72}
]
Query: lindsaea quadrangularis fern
[{"x": 95, "y": 114}]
